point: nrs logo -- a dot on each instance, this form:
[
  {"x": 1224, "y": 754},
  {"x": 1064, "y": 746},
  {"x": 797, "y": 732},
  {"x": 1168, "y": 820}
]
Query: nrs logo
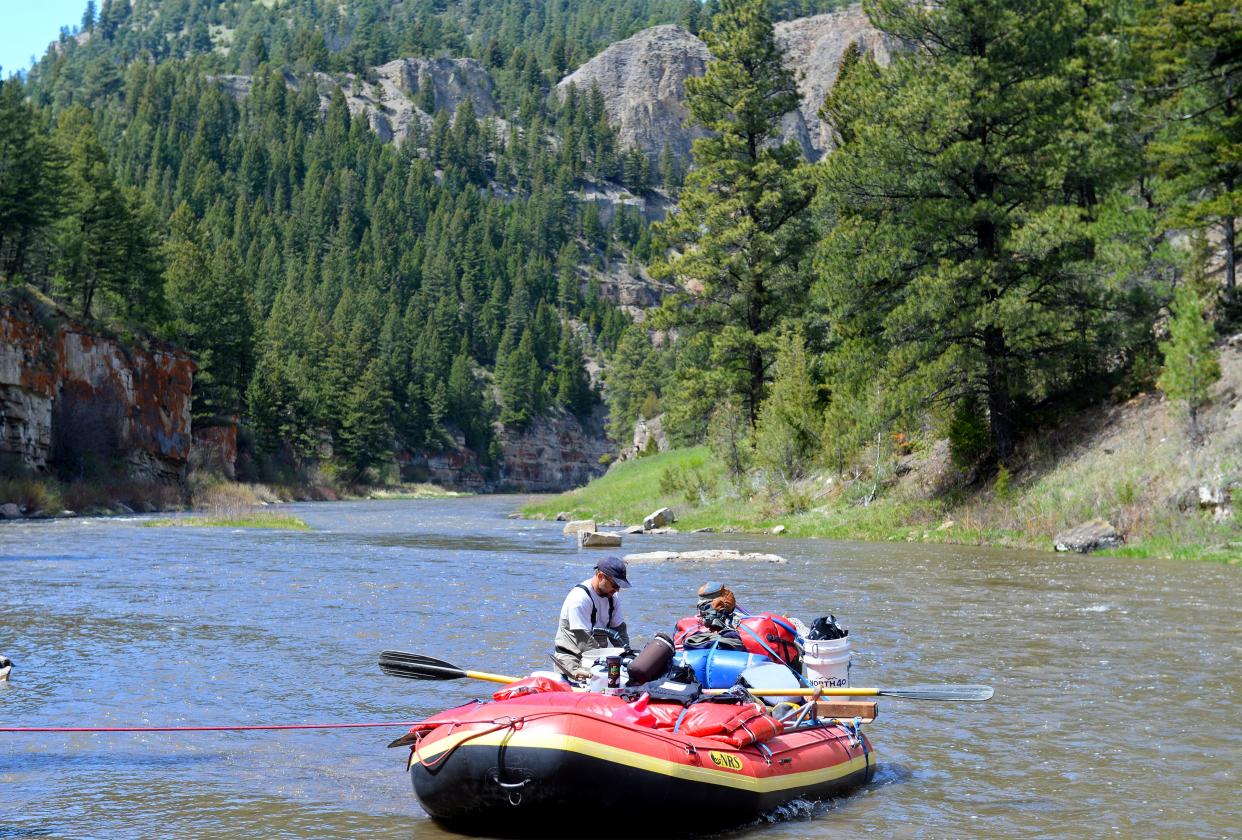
[{"x": 725, "y": 761}]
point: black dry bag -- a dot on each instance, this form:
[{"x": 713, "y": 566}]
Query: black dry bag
[{"x": 653, "y": 660}]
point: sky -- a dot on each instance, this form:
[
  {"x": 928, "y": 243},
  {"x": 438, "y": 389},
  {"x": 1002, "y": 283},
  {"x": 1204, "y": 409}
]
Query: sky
[{"x": 28, "y": 26}]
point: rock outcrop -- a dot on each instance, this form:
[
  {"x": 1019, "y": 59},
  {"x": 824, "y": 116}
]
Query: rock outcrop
[
  {"x": 643, "y": 82},
  {"x": 388, "y": 103},
  {"x": 69, "y": 393},
  {"x": 555, "y": 453},
  {"x": 814, "y": 47},
  {"x": 643, "y": 79}
]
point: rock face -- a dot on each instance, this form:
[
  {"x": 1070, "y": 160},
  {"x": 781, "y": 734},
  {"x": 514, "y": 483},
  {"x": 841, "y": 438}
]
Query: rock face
[
  {"x": 554, "y": 453},
  {"x": 388, "y": 103},
  {"x": 643, "y": 79},
  {"x": 70, "y": 393},
  {"x": 814, "y": 47},
  {"x": 1089, "y": 536}
]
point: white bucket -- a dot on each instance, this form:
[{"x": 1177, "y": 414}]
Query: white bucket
[{"x": 826, "y": 663}]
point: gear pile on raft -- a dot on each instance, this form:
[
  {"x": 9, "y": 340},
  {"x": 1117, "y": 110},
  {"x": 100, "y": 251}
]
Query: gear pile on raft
[{"x": 729, "y": 717}]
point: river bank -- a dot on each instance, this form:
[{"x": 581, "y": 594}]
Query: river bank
[
  {"x": 1130, "y": 465},
  {"x": 219, "y": 501}
]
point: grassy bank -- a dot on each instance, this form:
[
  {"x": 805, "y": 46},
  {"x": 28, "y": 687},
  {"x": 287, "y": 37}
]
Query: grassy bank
[
  {"x": 1055, "y": 490},
  {"x": 256, "y": 519}
]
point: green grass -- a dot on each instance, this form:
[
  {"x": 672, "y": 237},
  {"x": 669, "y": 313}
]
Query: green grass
[
  {"x": 1030, "y": 513},
  {"x": 630, "y": 491},
  {"x": 260, "y": 519}
]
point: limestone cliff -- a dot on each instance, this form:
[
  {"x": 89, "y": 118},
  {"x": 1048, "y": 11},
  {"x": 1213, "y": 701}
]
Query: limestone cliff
[
  {"x": 68, "y": 392},
  {"x": 643, "y": 79}
]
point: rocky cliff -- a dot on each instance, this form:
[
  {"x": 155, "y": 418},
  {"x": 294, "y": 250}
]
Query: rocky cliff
[
  {"x": 643, "y": 79},
  {"x": 69, "y": 394},
  {"x": 388, "y": 102},
  {"x": 556, "y": 452}
]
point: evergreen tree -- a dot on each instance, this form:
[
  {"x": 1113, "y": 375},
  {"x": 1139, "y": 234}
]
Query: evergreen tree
[
  {"x": 740, "y": 232},
  {"x": 957, "y": 261},
  {"x": 32, "y": 180},
  {"x": 790, "y": 419},
  {"x": 210, "y": 318},
  {"x": 365, "y": 437},
  {"x": 1190, "y": 362},
  {"x": 1194, "y": 49},
  {"x": 573, "y": 385}
]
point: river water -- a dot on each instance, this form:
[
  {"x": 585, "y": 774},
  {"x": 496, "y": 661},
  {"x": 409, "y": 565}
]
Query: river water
[{"x": 1117, "y": 681}]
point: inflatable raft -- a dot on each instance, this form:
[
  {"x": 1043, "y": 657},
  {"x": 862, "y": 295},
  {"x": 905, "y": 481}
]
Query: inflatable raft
[{"x": 556, "y": 762}]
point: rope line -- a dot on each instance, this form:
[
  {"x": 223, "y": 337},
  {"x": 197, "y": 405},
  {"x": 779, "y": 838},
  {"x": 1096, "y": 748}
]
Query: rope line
[{"x": 238, "y": 728}]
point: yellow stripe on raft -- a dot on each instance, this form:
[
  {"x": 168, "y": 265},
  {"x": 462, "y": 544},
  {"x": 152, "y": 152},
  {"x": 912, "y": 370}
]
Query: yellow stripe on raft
[{"x": 642, "y": 761}]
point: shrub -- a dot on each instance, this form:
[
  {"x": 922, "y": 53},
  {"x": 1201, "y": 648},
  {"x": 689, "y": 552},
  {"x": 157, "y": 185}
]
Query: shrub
[{"x": 968, "y": 434}]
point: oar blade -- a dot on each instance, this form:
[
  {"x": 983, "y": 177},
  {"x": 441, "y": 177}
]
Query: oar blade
[
  {"x": 413, "y": 666},
  {"x": 967, "y": 693}
]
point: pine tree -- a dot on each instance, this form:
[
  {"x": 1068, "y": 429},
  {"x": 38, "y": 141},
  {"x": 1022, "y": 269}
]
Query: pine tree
[
  {"x": 1190, "y": 362},
  {"x": 573, "y": 385},
  {"x": 33, "y": 189},
  {"x": 790, "y": 419},
  {"x": 365, "y": 437},
  {"x": 957, "y": 261},
  {"x": 1194, "y": 48},
  {"x": 741, "y": 233}
]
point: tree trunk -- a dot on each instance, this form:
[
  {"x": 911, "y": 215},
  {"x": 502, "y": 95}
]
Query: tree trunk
[
  {"x": 1000, "y": 402},
  {"x": 756, "y": 385},
  {"x": 1231, "y": 259}
]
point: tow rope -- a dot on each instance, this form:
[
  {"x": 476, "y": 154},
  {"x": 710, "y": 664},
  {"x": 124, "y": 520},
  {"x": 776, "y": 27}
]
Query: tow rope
[{"x": 236, "y": 728}]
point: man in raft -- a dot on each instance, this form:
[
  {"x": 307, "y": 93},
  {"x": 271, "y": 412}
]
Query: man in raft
[{"x": 592, "y": 606}]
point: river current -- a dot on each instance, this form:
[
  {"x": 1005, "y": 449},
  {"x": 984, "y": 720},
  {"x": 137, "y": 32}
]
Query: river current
[{"x": 1117, "y": 681}]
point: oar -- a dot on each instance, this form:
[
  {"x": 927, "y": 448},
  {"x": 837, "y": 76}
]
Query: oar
[
  {"x": 415, "y": 666},
  {"x": 972, "y": 693}
]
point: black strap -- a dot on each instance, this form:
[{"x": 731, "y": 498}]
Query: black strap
[{"x": 612, "y": 606}]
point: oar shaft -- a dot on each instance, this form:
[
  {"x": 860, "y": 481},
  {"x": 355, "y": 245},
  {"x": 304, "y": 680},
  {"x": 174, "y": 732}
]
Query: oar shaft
[
  {"x": 804, "y": 692},
  {"x": 484, "y": 675}
]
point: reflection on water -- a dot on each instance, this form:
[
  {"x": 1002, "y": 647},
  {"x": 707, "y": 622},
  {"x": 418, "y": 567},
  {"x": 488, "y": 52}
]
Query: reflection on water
[{"x": 1115, "y": 714}]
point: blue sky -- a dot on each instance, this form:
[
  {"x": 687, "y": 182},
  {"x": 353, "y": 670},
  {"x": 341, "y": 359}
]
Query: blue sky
[{"x": 28, "y": 26}]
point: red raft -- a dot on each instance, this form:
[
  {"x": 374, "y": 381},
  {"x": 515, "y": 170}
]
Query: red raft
[{"x": 535, "y": 762}]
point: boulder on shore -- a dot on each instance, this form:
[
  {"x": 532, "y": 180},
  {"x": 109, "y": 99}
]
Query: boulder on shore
[
  {"x": 710, "y": 555},
  {"x": 578, "y": 526},
  {"x": 10, "y": 511},
  {"x": 1089, "y": 536},
  {"x": 563, "y": 516},
  {"x": 634, "y": 529},
  {"x": 597, "y": 539},
  {"x": 662, "y": 518}
]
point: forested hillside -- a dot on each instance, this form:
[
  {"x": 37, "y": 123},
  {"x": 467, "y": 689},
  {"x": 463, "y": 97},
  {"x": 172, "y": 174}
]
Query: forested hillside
[
  {"x": 333, "y": 289},
  {"x": 1013, "y": 196}
]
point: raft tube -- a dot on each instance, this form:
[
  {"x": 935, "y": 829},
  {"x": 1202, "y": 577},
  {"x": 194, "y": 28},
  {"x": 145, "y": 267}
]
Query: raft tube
[{"x": 556, "y": 763}]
